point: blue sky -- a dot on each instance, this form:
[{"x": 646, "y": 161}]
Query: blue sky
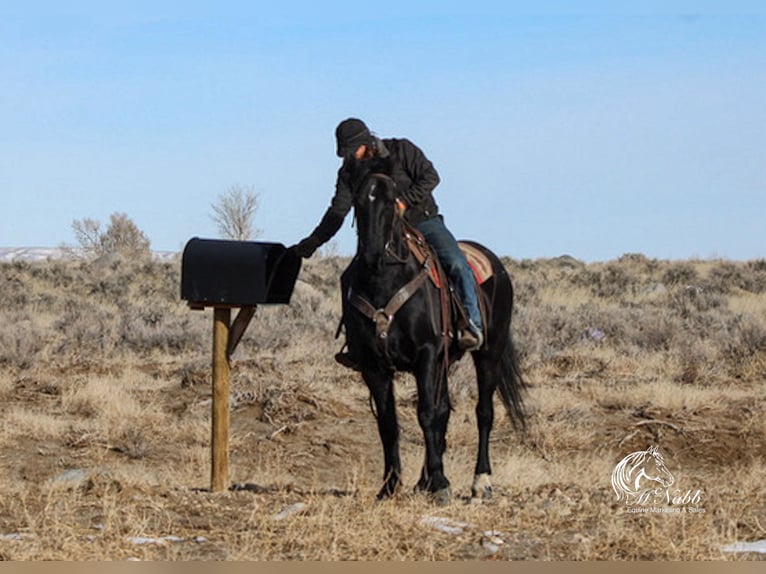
[{"x": 585, "y": 128}]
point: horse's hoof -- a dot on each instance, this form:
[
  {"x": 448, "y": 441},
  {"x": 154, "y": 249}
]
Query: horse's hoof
[
  {"x": 421, "y": 487},
  {"x": 387, "y": 492},
  {"x": 442, "y": 497},
  {"x": 481, "y": 488}
]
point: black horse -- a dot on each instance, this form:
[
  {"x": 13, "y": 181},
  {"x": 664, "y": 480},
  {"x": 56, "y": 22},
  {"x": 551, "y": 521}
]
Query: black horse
[{"x": 411, "y": 337}]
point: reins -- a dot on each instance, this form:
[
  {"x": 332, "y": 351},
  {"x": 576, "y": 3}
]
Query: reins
[{"x": 388, "y": 247}]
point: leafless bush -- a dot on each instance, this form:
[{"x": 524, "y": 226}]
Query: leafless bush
[
  {"x": 145, "y": 330},
  {"x": 234, "y": 212},
  {"x": 692, "y": 302},
  {"x": 746, "y": 337},
  {"x": 21, "y": 342},
  {"x": 726, "y": 276},
  {"x": 682, "y": 273},
  {"x": 614, "y": 280},
  {"x": 14, "y": 291},
  {"x": 121, "y": 236},
  {"x": 86, "y": 327}
]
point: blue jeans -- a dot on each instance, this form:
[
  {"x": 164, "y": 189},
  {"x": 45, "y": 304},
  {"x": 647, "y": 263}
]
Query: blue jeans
[{"x": 455, "y": 264}]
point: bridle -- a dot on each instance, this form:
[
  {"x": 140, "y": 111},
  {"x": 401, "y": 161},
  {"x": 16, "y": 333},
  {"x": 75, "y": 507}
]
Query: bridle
[{"x": 389, "y": 246}]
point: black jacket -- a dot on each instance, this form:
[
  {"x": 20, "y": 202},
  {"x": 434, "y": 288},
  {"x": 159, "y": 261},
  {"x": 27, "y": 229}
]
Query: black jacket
[{"x": 415, "y": 178}]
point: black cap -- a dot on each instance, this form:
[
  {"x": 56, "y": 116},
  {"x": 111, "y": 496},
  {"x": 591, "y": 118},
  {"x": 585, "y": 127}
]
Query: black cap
[{"x": 350, "y": 134}]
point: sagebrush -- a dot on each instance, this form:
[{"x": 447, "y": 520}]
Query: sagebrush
[{"x": 105, "y": 388}]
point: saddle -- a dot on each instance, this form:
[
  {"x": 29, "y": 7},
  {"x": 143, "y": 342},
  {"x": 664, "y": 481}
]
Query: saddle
[{"x": 451, "y": 306}]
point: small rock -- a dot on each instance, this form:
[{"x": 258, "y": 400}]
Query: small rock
[
  {"x": 491, "y": 541},
  {"x": 444, "y": 524},
  {"x": 12, "y": 536},
  {"x": 759, "y": 546},
  {"x": 290, "y": 510},
  {"x": 656, "y": 290},
  {"x": 71, "y": 479}
]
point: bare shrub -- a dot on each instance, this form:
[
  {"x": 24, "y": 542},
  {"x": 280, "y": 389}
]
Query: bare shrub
[
  {"x": 157, "y": 328},
  {"x": 14, "y": 292},
  {"x": 725, "y": 277},
  {"x": 756, "y": 276},
  {"x": 133, "y": 442},
  {"x": 613, "y": 280},
  {"x": 21, "y": 343},
  {"x": 680, "y": 273},
  {"x": 234, "y": 212},
  {"x": 639, "y": 262},
  {"x": 697, "y": 360},
  {"x": 86, "y": 327},
  {"x": 728, "y": 276},
  {"x": 746, "y": 338},
  {"x": 692, "y": 302},
  {"x": 652, "y": 330},
  {"x": 121, "y": 236}
]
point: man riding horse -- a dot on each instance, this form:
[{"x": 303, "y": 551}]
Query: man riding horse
[
  {"x": 397, "y": 314},
  {"x": 415, "y": 178}
]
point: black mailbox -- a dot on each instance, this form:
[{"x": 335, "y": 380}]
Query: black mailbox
[{"x": 217, "y": 272}]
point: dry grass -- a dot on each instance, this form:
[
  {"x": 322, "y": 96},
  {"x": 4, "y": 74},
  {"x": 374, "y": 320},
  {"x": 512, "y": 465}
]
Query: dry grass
[{"x": 105, "y": 397}]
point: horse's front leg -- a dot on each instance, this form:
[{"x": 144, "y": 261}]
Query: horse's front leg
[
  {"x": 382, "y": 390},
  {"x": 433, "y": 416}
]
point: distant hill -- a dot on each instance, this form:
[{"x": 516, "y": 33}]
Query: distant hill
[{"x": 8, "y": 254}]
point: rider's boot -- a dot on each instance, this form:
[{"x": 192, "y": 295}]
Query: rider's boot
[{"x": 472, "y": 338}]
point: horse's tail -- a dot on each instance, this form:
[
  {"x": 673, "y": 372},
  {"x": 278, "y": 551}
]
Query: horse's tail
[{"x": 512, "y": 386}]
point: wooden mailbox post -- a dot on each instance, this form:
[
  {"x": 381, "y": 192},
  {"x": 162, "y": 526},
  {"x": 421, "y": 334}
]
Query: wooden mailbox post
[{"x": 226, "y": 275}]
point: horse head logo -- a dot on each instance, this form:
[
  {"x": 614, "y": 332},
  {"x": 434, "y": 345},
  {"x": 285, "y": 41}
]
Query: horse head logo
[{"x": 637, "y": 468}]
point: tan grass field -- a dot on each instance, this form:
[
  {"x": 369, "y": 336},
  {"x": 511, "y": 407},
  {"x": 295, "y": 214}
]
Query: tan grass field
[{"x": 105, "y": 397}]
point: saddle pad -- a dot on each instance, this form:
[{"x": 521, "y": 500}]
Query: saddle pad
[{"x": 478, "y": 261}]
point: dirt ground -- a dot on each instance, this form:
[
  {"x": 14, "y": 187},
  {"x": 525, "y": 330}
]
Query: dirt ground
[
  {"x": 106, "y": 455},
  {"x": 305, "y": 463}
]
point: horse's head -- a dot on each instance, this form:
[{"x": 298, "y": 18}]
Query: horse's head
[{"x": 375, "y": 208}]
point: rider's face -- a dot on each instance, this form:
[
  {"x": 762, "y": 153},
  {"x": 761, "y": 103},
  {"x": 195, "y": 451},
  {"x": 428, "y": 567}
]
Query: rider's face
[{"x": 360, "y": 152}]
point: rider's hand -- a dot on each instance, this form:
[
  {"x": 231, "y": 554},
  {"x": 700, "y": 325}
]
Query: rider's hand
[
  {"x": 401, "y": 207},
  {"x": 306, "y": 247}
]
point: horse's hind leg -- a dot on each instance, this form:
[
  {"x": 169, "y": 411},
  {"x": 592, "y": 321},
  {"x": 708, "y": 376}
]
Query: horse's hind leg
[
  {"x": 486, "y": 376},
  {"x": 382, "y": 391}
]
